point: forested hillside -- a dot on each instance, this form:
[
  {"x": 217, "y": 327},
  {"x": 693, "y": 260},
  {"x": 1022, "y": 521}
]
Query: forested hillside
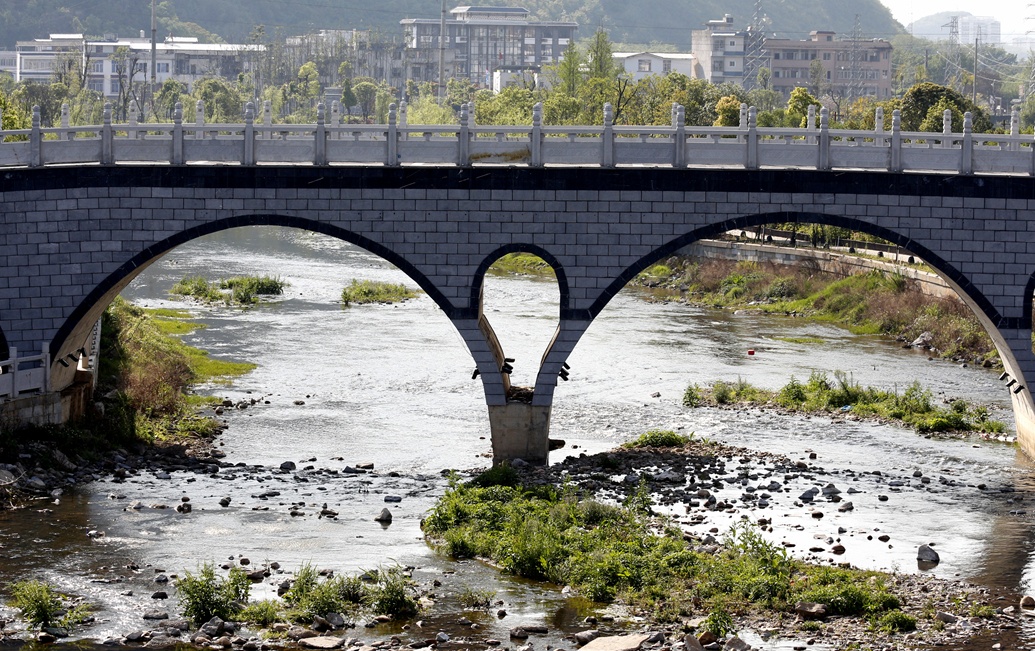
[{"x": 632, "y": 22}]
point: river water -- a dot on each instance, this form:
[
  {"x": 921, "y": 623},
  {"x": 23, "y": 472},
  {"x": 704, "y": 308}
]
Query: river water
[{"x": 391, "y": 385}]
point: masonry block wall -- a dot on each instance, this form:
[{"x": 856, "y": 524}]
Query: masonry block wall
[{"x": 70, "y": 238}]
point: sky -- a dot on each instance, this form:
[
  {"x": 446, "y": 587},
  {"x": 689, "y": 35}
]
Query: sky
[{"x": 1012, "y": 14}]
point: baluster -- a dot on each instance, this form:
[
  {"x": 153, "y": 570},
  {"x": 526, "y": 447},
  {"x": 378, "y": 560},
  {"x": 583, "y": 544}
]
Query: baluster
[
  {"x": 536, "y": 137},
  {"x": 36, "y": 139},
  {"x": 107, "y": 138},
  {"x": 607, "y": 138},
  {"x": 248, "y": 154},
  {"x": 1, "y": 124},
  {"x": 824, "y": 139},
  {"x": 402, "y": 120},
  {"x": 65, "y": 121},
  {"x": 810, "y": 124},
  {"x": 335, "y": 119},
  {"x": 176, "y": 156},
  {"x": 752, "y": 139},
  {"x": 679, "y": 122},
  {"x": 967, "y": 146},
  {"x": 267, "y": 119},
  {"x": 1015, "y": 128},
  {"x": 895, "y": 160},
  {"x": 392, "y": 155},
  {"x": 878, "y": 127},
  {"x": 199, "y": 120},
  {"x": 320, "y": 154},
  {"x": 946, "y": 128},
  {"x": 463, "y": 137}
]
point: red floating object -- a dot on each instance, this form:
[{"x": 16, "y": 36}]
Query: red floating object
[{"x": 751, "y": 351}]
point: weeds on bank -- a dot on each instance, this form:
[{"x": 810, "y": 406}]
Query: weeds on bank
[
  {"x": 42, "y": 606},
  {"x": 362, "y": 292},
  {"x": 657, "y": 438},
  {"x": 524, "y": 264},
  {"x": 205, "y": 595},
  {"x": 875, "y": 302},
  {"x": 913, "y": 406},
  {"x": 609, "y": 552},
  {"x": 238, "y": 290}
]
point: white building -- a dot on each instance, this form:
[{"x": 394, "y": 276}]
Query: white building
[
  {"x": 183, "y": 59},
  {"x": 644, "y": 64},
  {"x": 720, "y": 51}
]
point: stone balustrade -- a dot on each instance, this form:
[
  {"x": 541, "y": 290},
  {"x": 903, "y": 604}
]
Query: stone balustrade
[{"x": 397, "y": 143}]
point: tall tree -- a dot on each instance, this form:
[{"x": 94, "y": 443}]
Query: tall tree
[{"x": 600, "y": 55}]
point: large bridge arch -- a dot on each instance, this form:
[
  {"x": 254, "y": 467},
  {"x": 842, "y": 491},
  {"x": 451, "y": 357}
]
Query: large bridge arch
[{"x": 70, "y": 235}]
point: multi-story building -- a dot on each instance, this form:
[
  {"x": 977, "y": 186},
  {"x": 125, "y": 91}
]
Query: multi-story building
[
  {"x": 183, "y": 59},
  {"x": 850, "y": 68},
  {"x": 8, "y": 62},
  {"x": 644, "y": 64},
  {"x": 480, "y": 40},
  {"x": 720, "y": 51}
]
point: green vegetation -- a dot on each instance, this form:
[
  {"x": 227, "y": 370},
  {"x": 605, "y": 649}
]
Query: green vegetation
[
  {"x": 263, "y": 613},
  {"x": 870, "y": 303},
  {"x": 657, "y": 438},
  {"x": 362, "y": 292},
  {"x": 41, "y": 606},
  {"x": 911, "y": 407},
  {"x": 239, "y": 290},
  {"x": 609, "y": 552},
  {"x": 471, "y": 598},
  {"x": 384, "y": 592},
  {"x": 205, "y": 595},
  {"x": 524, "y": 264}
]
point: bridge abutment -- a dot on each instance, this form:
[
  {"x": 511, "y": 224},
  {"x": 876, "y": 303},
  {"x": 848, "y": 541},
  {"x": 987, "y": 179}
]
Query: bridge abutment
[{"x": 520, "y": 431}]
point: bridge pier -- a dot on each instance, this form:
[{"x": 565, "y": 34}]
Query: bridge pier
[{"x": 520, "y": 431}]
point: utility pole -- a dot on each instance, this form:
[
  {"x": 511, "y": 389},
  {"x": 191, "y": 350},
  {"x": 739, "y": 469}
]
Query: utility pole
[
  {"x": 442, "y": 54},
  {"x": 974, "y": 90}
]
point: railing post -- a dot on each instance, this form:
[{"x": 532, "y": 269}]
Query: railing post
[
  {"x": 392, "y": 146},
  {"x": 248, "y": 155},
  {"x": 824, "y": 139},
  {"x": 133, "y": 113},
  {"x": 967, "y": 146},
  {"x": 607, "y": 137},
  {"x": 199, "y": 120},
  {"x": 895, "y": 160},
  {"x": 752, "y": 139},
  {"x": 743, "y": 116},
  {"x": 463, "y": 137},
  {"x": 64, "y": 122},
  {"x": 402, "y": 120},
  {"x": 810, "y": 124},
  {"x": 267, "y": 118},
  {"x": 946, "y": 128},
  {"x": 46, "y": 368},
  {"x": 320, "y": 155},
  {"x": 36, "y": 140},
  {"x": 107, "y": 138},
  {"x": 878, "y": 127},
  {"x": 1, "y": 124},
  {"x": 335, "y": 119},
  {"x": 177, "y": 135},
  {"x": 536, "y": 137},
  {"x": 679, "y": 137},
  {"x": 1015, "y": 128}
]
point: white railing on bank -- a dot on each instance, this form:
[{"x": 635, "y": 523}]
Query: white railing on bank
[
  {"x": 331, "y": 142},
  {"x": 24, "y": 375}
]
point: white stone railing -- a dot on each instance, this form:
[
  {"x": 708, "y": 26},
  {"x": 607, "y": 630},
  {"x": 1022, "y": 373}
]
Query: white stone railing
[
  {"x": 16, "y": 381},
  {"x": 330, "y": 142}
]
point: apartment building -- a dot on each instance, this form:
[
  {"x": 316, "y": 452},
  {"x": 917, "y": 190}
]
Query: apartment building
[
  {"x": 720, "y": 51},
  {"x": 850, "y": 68},
  {"x": 480, "y": 40}
]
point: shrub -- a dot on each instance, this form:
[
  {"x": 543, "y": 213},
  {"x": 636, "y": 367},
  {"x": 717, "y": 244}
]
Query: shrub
[
  {"x": 657, "y": 438},
  {"x": 470, "y": 598},
  {"x": 692, "y": 396},
  {"x": 368, "y": 291},
  {"x": 722, "y": 393},
  {"x": 393, "y": 594},
  {"x": 262, "y": 613},
  {"x": 205, "y": 595},
  {"x": 895, "y": 621},
  {"x": 719, "y": 623},
  {"x": 499, "y": 475},
  {"x": 38, "y": 602}
]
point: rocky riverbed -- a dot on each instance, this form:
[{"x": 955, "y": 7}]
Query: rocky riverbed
[{"x": 824, "y": 516}]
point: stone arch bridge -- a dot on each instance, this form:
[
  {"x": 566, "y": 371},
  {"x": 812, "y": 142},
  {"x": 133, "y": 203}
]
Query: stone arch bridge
[{"x": 73, "y": 236}]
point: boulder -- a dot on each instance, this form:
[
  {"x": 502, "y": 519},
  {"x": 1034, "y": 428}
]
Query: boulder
[
  {"x": 617, "y": 643},
  {"x": 585, "y": 637},
  {"x": 810, "y": 610},
  {"x": 691, "y": 643},
  {"x": 948, "y": 618},
  {"x": 1027, "y": 601},
  {"x": 385, "y": 517},
  {"x": 927, "y": 555},
  {"x": 736, "y": 644}
]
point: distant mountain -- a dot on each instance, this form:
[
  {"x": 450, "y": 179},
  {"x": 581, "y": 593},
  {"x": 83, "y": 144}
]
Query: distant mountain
[{"x": 628, "y": 21}]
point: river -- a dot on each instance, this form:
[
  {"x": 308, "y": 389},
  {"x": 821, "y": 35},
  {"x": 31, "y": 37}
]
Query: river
[{"x": 391, "y": 385}]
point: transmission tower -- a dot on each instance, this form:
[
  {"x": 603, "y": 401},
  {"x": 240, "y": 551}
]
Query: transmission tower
[
  {"x": 855, "y": 72},
  {"x": 755, "y": 55},
  {"x": 953, "y": 69}
]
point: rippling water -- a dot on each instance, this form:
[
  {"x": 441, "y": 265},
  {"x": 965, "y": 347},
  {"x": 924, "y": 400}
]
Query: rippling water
[{"x": 392, "y": 385}]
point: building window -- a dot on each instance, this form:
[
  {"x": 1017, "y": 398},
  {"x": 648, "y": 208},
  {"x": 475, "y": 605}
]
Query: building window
[
  {"x": 162, "y": 67},
  {"x": 826, "y": 56},
  {"x": 644, "y": 65},
  {"x": 733, "y": 64},
  {"x": 95, "y": 85},
  {"x": 140, "y": 67},
  {"x": 666, "y": 66},
  {"x": 96, "y": 66}
]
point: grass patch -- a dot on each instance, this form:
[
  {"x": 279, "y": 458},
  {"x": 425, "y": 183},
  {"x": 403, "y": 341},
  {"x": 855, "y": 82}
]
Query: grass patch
[
  {"x": 913, "y": 406},
  {"x": 609, "y": 553},
  {"x": 801, "y": 340},
  {"x": 205, "y": 595},
  {"x": 876, "y": 302},
  {"x": 41, "y": 606},
  {"x": 385, "y": 592},
  {"x": 523, "y": 264},
  {"x": 237, "y": 290},
  {"x": 362, "y": 292},
  {"x": 657, "y": 438}
]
